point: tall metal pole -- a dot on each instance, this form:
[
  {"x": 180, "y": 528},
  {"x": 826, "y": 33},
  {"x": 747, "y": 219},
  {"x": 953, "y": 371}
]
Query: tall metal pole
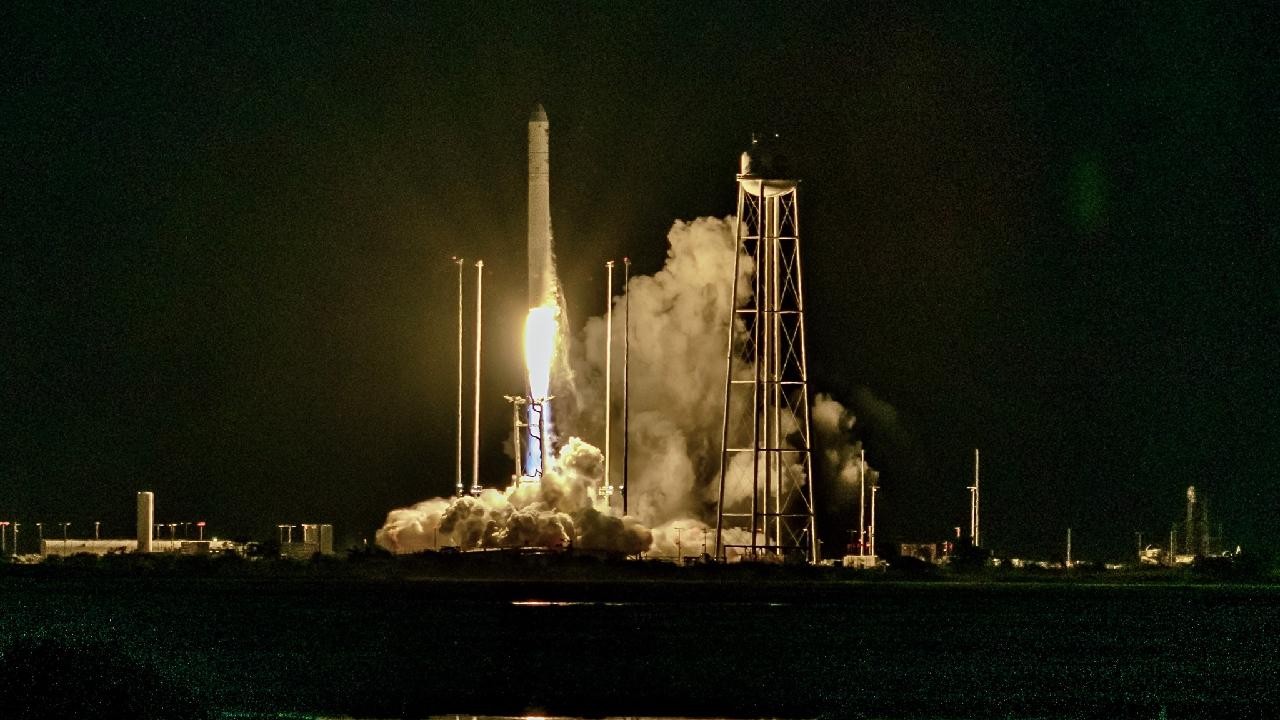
[
  {"x": 626, "y": 385},
  {"x": 977, "y": 502},
  {"x": 608, "y": 376},
  {"x": 862, "y": 502},
  {"x": 973, "y": 503},
  {"x": 475, "y": 436},
  {"x": 758, "y": 395},
  {"x": 458, "y": 474},
  {"x": 544, "y": 441},
  {"x": 767, "y": 407},
  {"x": 874, "y": 488},
  {"x": 775, "y": 325}
]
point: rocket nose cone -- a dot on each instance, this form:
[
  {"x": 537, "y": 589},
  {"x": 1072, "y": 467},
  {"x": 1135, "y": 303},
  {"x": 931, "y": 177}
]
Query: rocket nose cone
[{"x": 538, "y": 114}]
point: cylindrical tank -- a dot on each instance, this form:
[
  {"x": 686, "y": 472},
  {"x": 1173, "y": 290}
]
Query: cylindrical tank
[
  {"x": 146, "y": 520},
  {"x": 764, "y": 169}
]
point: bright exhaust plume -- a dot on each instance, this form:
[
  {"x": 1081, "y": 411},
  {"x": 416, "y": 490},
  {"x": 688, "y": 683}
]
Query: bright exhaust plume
[{"x": 539, "y": 348}]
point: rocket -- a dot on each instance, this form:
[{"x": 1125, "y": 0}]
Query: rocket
[{"x": 542, "y": 279}]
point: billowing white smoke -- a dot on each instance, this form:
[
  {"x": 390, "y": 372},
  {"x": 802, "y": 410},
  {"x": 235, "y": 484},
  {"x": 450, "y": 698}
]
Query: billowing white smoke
[
  {"x": 559, "y": 512},
  {"x": 841, "y": 455},
  {"x": 834, "y": 423},
  {"x": 679, "y": 326}
]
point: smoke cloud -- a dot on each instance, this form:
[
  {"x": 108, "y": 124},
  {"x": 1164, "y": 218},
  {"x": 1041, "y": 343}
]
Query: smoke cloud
[
  {"x": 679, "y": 328},
  {"x": 841, "y": 454},
  {"x": 560, "y": 512}
]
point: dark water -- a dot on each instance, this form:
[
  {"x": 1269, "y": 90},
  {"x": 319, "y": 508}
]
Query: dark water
[{"x": 879, "y": 650}]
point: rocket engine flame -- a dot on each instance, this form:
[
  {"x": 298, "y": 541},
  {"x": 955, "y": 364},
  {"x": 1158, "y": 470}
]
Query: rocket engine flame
[
  {"x": 539, "y": 347},
  {"x": 541, "y": 330}
]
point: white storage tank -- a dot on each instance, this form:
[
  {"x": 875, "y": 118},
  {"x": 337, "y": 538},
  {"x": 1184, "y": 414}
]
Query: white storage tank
[{"x": 146, "y": 518}]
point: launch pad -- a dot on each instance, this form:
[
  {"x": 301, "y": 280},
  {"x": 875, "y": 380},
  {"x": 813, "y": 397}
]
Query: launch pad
[{"x": 562, "y": 491}]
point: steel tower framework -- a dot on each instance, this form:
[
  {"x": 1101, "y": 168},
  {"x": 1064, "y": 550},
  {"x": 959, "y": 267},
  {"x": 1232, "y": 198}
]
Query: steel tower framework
[{"x": 766, "y": 429}]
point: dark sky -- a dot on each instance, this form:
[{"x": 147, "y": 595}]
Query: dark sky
[{"x": 1044, "y": 229}]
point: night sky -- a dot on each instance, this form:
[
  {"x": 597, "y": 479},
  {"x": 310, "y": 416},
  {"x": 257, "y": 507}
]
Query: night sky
[{"x": 1046, "y": 230}]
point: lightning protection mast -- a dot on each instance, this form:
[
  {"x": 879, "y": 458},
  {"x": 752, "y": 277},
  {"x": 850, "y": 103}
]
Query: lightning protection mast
[
  {"x": 765, "y": 437},
  {"x": 975, "y": 505},
  {"x": 458, "y": 474}
]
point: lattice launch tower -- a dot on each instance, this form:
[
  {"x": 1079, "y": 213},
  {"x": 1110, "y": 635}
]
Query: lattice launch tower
[{"x": 766, "y": 504}]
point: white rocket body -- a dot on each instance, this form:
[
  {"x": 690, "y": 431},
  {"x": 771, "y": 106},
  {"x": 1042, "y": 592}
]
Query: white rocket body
[{"x": 542, "y": 280}]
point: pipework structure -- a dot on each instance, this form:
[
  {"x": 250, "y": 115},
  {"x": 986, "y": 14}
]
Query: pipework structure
[
  {"x": 517, "y": 432},
  {"x": 529, "y": 435},
  {"x": 541, "y": 407},
  {"x": 766, "y": 431}
]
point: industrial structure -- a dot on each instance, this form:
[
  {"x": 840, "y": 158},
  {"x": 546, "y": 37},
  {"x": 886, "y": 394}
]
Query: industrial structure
[
  {"x": 161, "y": 538},
  {"x": 1196, "y": 539},
  {"x": 145, "y": 540},
  {"x": 317, "y": 539},
  {"x": 766, "y": 430},
  {"x": 527, "y": 436},
  {"x": 146, "y": 512},
  {"x": 861, "y": 552},
  {"x": 1193, "y": 538},
  {"x": 1190, "y": 539}
]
